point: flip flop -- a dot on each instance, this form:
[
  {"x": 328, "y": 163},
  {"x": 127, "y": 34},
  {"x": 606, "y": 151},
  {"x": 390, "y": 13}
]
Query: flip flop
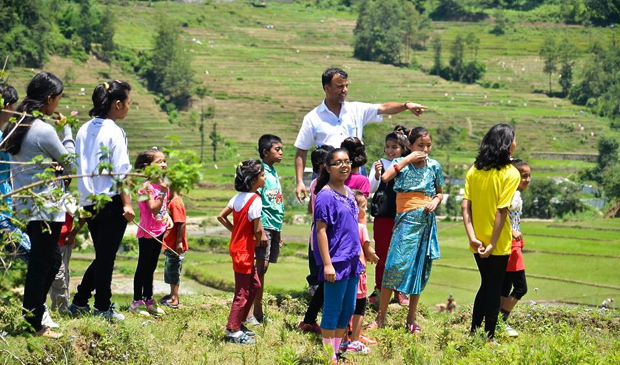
[
  {"x": 169, "y": 305},
  {"x": 414, "y": 328},
  {"x": 164, "y": 299}
]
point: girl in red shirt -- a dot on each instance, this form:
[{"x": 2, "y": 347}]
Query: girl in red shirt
[{"x": 246, "y": 231}]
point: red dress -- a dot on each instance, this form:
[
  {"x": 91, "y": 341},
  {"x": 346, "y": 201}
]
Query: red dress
[{"x": 242, "y": 240}]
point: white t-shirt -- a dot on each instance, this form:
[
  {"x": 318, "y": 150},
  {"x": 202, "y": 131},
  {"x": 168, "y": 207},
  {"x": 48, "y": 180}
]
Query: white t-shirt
[
  {"x": 374, "y": 183},
  {"x": 238, "y": 202},
  {"x": 91, "y": 137},
  {"x": 322, "y": 127}
]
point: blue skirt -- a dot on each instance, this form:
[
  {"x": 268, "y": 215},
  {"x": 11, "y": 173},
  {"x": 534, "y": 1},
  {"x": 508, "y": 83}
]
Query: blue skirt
[{"x": 412, "y": 250}]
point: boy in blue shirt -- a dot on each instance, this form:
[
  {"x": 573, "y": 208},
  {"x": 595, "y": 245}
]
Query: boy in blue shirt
[{"x": 270, "y": 151}]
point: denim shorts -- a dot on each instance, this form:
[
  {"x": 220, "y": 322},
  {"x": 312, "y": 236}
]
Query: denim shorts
[{"x": 172, "y": 270}]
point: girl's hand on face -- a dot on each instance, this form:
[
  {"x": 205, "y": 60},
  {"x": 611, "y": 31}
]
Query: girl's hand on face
[
  {"x": 329, "y": 273},
  {"x": 517, "y": 235},
  {"x": 476, "y": 244},
  {"x": 431, "y": 206},
  {"x": 416, "y": 156},
  {"x": 485, "y": 251}
]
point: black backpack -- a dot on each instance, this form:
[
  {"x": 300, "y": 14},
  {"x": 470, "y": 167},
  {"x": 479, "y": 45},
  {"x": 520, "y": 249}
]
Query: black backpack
[{"x": 383, "y": 203}]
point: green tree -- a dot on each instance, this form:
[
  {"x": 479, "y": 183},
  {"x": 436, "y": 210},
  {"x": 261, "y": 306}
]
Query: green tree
[
  {"x": 437, "y": 66},
  {"x": 500, "y": 24},
  {"x": 538, "y": 198},
  {"x": 607, "y": 154},
  {"x": 549, "y": 53},
  {"x": 106, "y": 34},
  {"x": 567, "y": 52},
  {"x": 611, "y": 182},
  {"x": 456, "y": 60},
  {"x": 87, "y": 25},
  {"x": 24, "y": 30},
  {"x": 378, "y": 32}
]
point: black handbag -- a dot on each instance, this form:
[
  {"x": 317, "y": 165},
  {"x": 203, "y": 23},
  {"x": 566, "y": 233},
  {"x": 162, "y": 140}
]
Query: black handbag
[{"x": 383, "y": 203}]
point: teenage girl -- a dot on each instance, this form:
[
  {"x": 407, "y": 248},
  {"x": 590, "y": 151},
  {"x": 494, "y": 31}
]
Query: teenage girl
[
  {"x": 154, "y": 221},
  {"x": 357, "y": 154},
  {"x": 414, "y": 245},
  {"x": 489, "y": 187},
  {"x": 107, "y": 225},
  {"x": 246, "y": 230},
  {"x": 18, "y": 243},
  {"x": 24, "y": 140},
  {"x": 515, "y": 273},
  {"x": 383, "y": 208},
  {"x": 336, "y": 248}
]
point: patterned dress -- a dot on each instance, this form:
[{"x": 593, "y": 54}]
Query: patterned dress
[{"x": 414, "y": 242}]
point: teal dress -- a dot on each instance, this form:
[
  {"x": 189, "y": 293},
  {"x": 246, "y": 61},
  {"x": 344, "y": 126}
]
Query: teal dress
[{"x": 414, "y": 243}]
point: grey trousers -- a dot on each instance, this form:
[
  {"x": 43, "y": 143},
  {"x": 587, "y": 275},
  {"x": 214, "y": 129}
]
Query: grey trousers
[{"x": 59, "y": 292}]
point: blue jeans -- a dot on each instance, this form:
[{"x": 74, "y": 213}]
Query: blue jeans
[
  {"x": 339, "y": 303},
  {"x": 17, "y": 242}
]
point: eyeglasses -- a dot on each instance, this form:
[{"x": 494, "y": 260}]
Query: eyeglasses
[{"x": 340, "y": 163}]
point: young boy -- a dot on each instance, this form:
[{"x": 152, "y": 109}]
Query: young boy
[
  {"x": 175, "y": 239},
  {"x": 270, "y": 151},
  {"x": 315, "y": 287}
]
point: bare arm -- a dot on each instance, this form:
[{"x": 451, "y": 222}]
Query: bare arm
[
  {"x": 223, "y": 218},
  {"x": 181, "y": 226},
  {"x": 300, "y": 165},
  {"x": 128, "y": 212},
  {"x": 321, "y": 236},
  {"x": 259, "y": 233},
  {"x": 498, "y": 225},
  {"x": 393, "y": 107},
  {"x": 390, "y": 173},
  {"x": 469, "y": 227}
]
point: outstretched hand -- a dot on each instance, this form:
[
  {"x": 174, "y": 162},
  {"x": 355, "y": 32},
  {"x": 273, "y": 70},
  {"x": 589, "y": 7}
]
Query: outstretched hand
[{"x": 416, "y": 108}]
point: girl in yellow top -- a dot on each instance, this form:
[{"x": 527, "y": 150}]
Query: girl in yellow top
[{"x": 489, "y": 187}]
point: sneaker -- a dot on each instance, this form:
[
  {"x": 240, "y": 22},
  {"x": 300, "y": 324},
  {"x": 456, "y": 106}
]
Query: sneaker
[
  {"x": 47, "y": 332},
  {"x": 134, "y": 307},
  {"x": 247, "y": 331},
  {"x": 309, "y": 327},
  {"x": 77, "y": 311},
  {"x": 110, "y": 314},
  {"x": 239, "y": 338},
  {"x": 152, "y": 308},
  {"x": 344, "y": 345},
  {"x": 511, "y": 332},
  {"x": 402, "y": 299},
  {"x": 357, "y": 347},
  {"x": 367, "y": 340},
  {"x": 253, "y": 321},
  {"x": 373, "y": 298},
  {"x": 47, "y": 320}
]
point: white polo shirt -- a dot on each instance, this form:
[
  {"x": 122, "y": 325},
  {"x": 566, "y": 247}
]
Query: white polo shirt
[
  {"x": 91, "y": 137},
  {"x": 322, "y": 127}
]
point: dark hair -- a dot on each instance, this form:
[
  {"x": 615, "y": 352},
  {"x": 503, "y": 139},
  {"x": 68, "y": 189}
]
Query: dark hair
[
  {"x": 318, "y": 156},
  {"x": 146, "y": 158},
  {"x": 400, "y": 139},
  {"x": 323, "y": 177},
  {"x": 518, "y": 163},
  {"x": 265, "y": 142},
  {"x": 247, "y": 173},
  {"x": 494, "y": 152},
  {"x": 357, "y": 151},
  {"x": 9, "y": 95},
  {"x": 328, "y": 75},
  {"x": 399, "y": 128},
  {"x": 416, "y": 133},
  {"x": 42, "y": 86},
  {"x": 106, "y": 94},
  {"x": 358, "y": 194}
]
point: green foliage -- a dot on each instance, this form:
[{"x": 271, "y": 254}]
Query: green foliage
[
  {"x": 378, "y": 31},
  {"x": 500, "y": 24},
  {"x": 549, "y": 53},
  {"x": 459, "y": 69},
  {"x": 611, "y": 181}
]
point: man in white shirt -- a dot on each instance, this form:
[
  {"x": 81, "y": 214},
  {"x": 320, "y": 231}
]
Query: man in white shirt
[{"x": 336, "y": 119}]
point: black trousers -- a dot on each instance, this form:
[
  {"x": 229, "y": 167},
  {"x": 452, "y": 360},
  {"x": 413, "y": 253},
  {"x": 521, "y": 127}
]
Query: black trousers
[
  {"x": 149, "y": 250},
  {"x": 315, "y": 305},
  {"x": 486, "y": 305},
  {"x": 43, "y": 265},
  {"x": 106, "y": 228}
]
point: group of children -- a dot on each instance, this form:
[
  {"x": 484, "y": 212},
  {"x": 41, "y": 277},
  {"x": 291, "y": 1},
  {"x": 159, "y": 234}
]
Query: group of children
[{"x": 407, "y": 187}]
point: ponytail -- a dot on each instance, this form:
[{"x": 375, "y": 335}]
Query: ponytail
[{"x": 105, "y": 94}]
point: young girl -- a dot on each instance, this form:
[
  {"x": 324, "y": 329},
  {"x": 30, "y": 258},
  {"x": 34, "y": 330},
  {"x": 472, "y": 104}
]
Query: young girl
[
  {"x": 414, "y": 244},
  {"x": 336, "y": 247},
  {"x": 383, "y": 208},
  {"x": 246, "y": 231},
  {"x": 515, "y": 273},
  {"x": 357, "y": 154},
  {"x": 153, "y": 223},
  {"x": 107, "y": 225},
  {"x": 358, "y": 341},
  {"x": 489, "y": 187},
  {"x": 26, "y": 139}
]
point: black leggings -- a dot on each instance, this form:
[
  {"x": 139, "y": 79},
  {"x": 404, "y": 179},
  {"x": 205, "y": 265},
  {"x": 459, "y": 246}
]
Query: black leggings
[
  {"x": 360, "y": 306},
  {"x": 42, "y": 268},
  {"x": 149, "y": 250},
  {"x": 315, "y": 305},
  {"x": 486, "y": 305}
]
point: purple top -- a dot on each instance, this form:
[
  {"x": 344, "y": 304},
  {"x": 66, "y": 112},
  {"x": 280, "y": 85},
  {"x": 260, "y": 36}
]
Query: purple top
[
  {"x": 359, "y": 182},
  {"x": 340, "y": 213}
]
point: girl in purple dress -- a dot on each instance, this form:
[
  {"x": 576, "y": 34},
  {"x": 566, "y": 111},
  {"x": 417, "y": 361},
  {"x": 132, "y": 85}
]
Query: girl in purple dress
[{"x": 336, "y": 248}]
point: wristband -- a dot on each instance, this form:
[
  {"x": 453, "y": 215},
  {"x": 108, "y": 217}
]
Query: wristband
[
  {"x": 396, "y": 168},
  {"x": 405, "y": 104}
]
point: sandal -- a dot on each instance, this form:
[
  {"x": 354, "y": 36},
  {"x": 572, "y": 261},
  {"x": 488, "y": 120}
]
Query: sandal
[
  {"x": 165, "y": 298},
  {"x": 414, "y": 328},
  {"x": 169, "y": 305}
]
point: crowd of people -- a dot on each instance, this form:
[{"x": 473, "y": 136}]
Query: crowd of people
[{"x": 406, "y": 187}]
